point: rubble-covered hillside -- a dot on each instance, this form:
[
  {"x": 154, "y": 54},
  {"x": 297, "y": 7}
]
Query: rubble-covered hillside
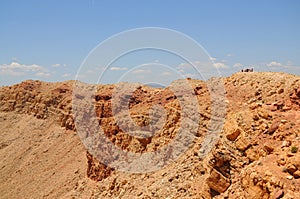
[{"x": 256, "y": 156}]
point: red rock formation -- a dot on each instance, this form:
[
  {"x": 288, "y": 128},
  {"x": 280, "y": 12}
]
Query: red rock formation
[{"x": 252, "y": 159}]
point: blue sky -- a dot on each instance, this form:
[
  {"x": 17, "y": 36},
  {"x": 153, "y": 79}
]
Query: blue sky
[{"x": 49, "y": 40}]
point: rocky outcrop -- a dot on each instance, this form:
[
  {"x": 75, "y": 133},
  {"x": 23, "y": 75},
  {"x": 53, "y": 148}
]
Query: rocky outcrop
[
  {"x": 96, "y": 170},
  {"x": 257, "y": 155},
  {"x": 43, "y": 100}
]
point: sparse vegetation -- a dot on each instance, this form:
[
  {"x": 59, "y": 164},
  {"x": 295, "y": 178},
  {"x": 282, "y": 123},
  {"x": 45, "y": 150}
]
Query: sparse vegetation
[{"x": 294, "y": 149}]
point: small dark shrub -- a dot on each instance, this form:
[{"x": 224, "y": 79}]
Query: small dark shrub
[{"x": 294, "y": 149}]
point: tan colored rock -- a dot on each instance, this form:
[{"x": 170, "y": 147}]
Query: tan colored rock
[
  {"x": 244, "y": 148},
  {"x": 252, "y": 154},
  {"x": 274, "y": 126},
  {"x": 289, "y": 177},
  {"x": 286, "y": 144},
  {"x": 291, "y": 168},
  {"x": 96, "y": 170},
  {"x": 252, "y": 184},
  {"x": 217, "y": 181},
  {"x": 233, "y": 133},
  {"x": 281, "y": 161},
  {"x": 264, "y": 114},
  {"x": 269, "y": 148},
  {"x": 296, "y": 174},
  {"x": 279, "y": 194},
  {"x": 295, "y": 160},
  {"x": 243, "y": 142}
]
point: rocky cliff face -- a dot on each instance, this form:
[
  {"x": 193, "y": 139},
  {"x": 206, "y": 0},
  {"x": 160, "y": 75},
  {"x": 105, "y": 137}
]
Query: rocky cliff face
[{"x": 257, "y": 155}]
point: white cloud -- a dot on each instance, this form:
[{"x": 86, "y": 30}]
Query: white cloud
[
  {"x": 238, "y": 65},
  {"x": 186, "y": 65},
  {"x": 90, "y": 71},
  {"x": 274, "y": 64},
  {"x": 212, "y": 59},
  {"x": 189, "y": 75},
  {"x": 183, "y": 65},
  {"x": 16, "y": 65},
  {"x": 197, "y": 63},
  {"x": 196, "y": 69},
  {"x": 220, "y": 65},
  {"x": 289, "y": 63},
  {"x": 166, "y": 74},
  {"x": 10, "y": 72},
  {"x": 139, "y": 71},
  {"x": 229, "y": 55},
  {"x": 17, "y": 69},
  {"x": 66, "y": 75},
  {"x": 117, "y": 68},
  {"x": 43, "y": 74},
  {"x": 149, "y": 64},
  {"x": 181, "y": 71},
  {"x": 58, "y": 65}
]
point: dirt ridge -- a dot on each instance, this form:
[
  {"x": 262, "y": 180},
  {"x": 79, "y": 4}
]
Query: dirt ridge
[{"x": 257, "y": 155}]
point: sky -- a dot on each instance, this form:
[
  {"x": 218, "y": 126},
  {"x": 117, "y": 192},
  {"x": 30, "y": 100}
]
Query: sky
[{"x": 55, "y": 40}]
